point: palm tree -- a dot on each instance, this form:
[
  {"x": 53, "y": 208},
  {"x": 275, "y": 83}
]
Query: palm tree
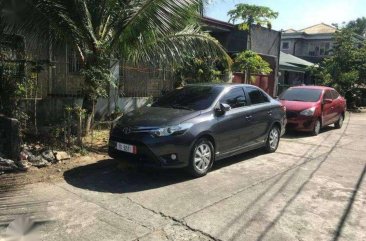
[{"x": 155, "y": 32}]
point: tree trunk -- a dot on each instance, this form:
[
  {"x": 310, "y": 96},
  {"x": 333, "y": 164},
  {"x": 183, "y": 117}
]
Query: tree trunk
[
  {"x": 80, "y": 130},
  {"x": 95, "y": 71},
  {"x": 88, "y": 106}
]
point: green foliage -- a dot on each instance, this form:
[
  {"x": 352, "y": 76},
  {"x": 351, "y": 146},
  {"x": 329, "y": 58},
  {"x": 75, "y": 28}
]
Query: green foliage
[
  {"x": 143, "y": 31},
  {"x": 249, "y": 61},
  {"x": 72, "y": 128},
  {"x": 358, "y": 26},
  {"x": 249, "y": 14},
  {"x": 12, "y": 89},
  {"x": 97, "y": 75},
  {"x": 345, "y": 70},
  {"x": 202, "y": 69}
]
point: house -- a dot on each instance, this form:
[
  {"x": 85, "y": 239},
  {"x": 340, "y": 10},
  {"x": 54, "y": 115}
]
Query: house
[
  {"x": 265, "y": 42},
  {"x": 312, "y": 44},
  {"x": 60, "y": 82}
]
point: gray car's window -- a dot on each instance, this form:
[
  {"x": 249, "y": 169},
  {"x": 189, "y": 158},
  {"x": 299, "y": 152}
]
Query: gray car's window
[
  {"x": 190, "y": 98},
  {"x": 256, "y": 96},
  {"x": 235, "y": 98}
]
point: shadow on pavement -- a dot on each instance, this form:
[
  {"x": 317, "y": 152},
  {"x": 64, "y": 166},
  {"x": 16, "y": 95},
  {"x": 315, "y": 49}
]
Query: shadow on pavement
[
  {"x": 114, "y": 176},
  {"x": 348, "y": 209},
  {"x": 291, "y": 134}
]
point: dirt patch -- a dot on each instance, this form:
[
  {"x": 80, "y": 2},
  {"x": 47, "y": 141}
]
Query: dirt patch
[
  {"x": 96, "y": 146},
  {"x": 51, "y": 173}
]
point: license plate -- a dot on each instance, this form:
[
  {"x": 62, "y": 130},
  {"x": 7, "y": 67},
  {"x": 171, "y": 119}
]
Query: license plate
[{"x": 126, "y": 148}]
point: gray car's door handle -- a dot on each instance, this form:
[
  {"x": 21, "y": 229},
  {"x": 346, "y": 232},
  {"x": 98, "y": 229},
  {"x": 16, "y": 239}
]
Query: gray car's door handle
[
  {"x": 269, "y": 112},
  {"x": 248, "y": 117}
]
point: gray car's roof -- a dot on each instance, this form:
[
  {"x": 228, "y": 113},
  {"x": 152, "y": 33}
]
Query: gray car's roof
[{"x": 220, "y": 84}]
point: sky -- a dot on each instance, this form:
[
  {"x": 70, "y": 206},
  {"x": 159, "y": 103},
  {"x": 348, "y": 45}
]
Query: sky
[{"x": 296, "y": 14}]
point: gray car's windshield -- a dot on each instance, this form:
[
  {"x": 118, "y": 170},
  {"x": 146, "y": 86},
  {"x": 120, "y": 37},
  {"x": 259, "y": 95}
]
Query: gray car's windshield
[
  {"x": 303, "y": 95},
  {"x": 190, "y": 98}
]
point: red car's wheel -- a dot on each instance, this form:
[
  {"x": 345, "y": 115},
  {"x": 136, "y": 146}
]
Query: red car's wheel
[
  {"x": 339, "y": 122},
  {"x": 317, "y": 127}
]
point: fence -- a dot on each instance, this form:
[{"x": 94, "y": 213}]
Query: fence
[{"x": 144, "y": 82}]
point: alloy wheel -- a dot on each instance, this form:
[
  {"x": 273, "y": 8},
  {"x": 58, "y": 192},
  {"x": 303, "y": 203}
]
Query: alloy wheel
[
  {"x": 202, "y": 157},
  {"x": 273, "y": 138}
]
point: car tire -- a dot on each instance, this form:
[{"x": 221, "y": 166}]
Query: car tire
[
  {"x": 273, "y": 139},
  {"x": 339, "y": 123},
  {"x": 317, "y": 127},
  {"x": 202, "y": 158}
]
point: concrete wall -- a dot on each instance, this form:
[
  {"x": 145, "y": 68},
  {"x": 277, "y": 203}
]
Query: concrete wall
[
  {"x": 52, "y": 109},
  {"x": 106, "y": 107},
  {"x": 266, "y": 41}
]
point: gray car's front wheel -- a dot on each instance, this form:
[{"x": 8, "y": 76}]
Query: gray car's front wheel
[
  {"x": 202, "y": 158},
  {"x": 273, "y": 139}
]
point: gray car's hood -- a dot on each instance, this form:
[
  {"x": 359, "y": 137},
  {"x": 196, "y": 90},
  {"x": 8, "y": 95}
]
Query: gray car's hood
[{"x": 156, "y": 117}]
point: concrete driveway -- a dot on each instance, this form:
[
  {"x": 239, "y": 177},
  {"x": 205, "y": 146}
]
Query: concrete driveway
[{"x": 312, "y": 188}]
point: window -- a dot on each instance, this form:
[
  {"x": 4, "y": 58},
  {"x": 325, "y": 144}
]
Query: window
[
  {"x": 285, "y": 45},
  {"x": 319, "y": 49},
  {"x": 74, "y": 62},
  {"x": 328, "y": 95},
  {"x": 301, "y": 95},
  {"x": 235, "y": 98},
  {"x": 189, "y": 98},
  {"x": 335, "y": 94},
  {"x": 256, "y": 96},
  {"x": 312, "y": 51},
  {"x": 324, "y": 49}
]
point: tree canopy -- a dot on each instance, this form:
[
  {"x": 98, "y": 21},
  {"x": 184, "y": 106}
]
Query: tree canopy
[
  {"x": 358, "y": 26},
  {"x": 250, "y": 62},
  {"x": 346, "y": 68},
  {"x": 201, "y": 69},
  {"x": 248, "y": 15}
]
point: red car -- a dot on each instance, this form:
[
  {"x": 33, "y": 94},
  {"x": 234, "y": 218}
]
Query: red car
[{"x": 309, "y": 108}]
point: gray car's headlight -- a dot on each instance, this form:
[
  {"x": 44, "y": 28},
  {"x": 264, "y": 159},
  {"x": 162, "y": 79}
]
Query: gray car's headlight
[
  {"x": 172, "y": 130},
  {"x": 308, "y": 112}
]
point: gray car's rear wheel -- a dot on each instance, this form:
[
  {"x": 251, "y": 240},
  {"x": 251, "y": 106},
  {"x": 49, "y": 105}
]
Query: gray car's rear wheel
[
  {"x": 202, "y": 158},
  {"x": 273, "y": 139}
]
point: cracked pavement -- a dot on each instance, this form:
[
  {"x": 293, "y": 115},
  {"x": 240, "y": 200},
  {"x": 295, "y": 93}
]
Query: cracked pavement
[{"x": 312, "y": 188}]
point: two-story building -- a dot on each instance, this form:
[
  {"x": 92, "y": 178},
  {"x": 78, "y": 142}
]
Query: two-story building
[{"x": 312, "y": 44}]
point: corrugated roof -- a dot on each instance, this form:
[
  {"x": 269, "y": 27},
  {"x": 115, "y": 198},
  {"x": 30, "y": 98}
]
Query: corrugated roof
[
  {"x": 293, "y": 63},
  {"x": 290, "y": 59}
]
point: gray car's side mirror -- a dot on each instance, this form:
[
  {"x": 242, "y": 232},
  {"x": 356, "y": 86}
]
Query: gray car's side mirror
[
  {"x": 225, "y": 107},
  {"x": 222, "y": 108}
]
